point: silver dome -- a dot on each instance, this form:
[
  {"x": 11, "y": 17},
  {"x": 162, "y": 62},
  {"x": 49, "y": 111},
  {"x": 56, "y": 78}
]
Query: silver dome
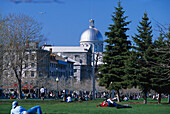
[{"x": 91, "y": 34}]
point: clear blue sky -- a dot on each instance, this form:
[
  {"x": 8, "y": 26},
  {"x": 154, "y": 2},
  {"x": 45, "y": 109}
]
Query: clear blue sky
[{"x": 64, "y": 22}]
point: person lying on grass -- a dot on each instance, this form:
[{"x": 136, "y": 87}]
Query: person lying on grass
[
  {"x": 16, "y": 109},
  {"x": 110, "y": 103}
]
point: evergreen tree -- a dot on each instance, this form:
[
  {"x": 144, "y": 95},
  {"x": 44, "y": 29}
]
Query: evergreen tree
[
  {"x": 167, "y": 65},
  {"x": 161, "y": 79},
  {"x": 143, "y": 41},
  {"x": 132, "y": 70},
  {"x": 117, "y": 50}
]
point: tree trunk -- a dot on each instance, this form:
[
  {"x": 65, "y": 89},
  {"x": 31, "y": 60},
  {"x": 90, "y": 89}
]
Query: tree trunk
[
  {"x": 112, "y": 96},
  {"x": 145, "y": 98},
  {"x": 168, "y": 98},
  {"x": 118, "y": 96},
  {"x": 19, "y": 88},
  {"x": 19, "y": 84},
  {"x": 159, "y": 98}
]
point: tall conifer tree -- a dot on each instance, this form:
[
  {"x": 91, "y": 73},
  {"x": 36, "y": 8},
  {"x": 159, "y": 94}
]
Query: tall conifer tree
[
  {"x": 160, "y": 66},
  {"x": 132, "y": 70},
  {"x": 116, "y": 52},
  {"x": 143, "y": 42}
]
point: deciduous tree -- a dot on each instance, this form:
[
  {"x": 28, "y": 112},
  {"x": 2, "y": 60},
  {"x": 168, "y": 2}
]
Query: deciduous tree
[{"x": 16, "y": 31}]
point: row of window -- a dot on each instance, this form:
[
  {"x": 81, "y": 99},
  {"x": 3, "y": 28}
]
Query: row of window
[
  {"x": 69, "y": 65},
  {"x": 29, "y": 73},
  {"x": 61, "y": 67},
  {"x": 32, "y": 57},
  {"x": 53, "y": 65},
  {"x": 32, "y": 65},
  {"x": 57, "y": 73}
]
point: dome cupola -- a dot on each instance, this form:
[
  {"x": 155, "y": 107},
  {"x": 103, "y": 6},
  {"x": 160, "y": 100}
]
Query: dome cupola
[{"x": 92, "y": 36}]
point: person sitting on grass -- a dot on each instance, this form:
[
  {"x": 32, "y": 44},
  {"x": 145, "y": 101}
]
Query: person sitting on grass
[
  {"x": 69, "y": 99},
  {"x": 80, "y": 99},
  {"x": 16, "y": 109},
  {"x": 110, "y": 103}
]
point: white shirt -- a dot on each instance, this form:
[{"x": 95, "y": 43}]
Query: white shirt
[
  {"x": 42, "y": 90},
  {"x": 110, "y": 101},
  {"x": 68, "y": 99},
  {"x": 18, "y": 110}
]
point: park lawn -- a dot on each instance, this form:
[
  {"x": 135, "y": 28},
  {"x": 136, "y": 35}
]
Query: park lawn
[{"x": 87, "y": 107}]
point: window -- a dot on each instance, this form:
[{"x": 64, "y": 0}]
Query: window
[
  {"x": 75, "y": 70},
  {"x": 26, "y": 73},
  {"x": 77, "y": 57},
  {"x": 32, "y": 65},
  {"x": 81, "y": 61},
  {"x": 26, "y": 57},
  {"x": 95, "y": 49},
  {"x": 12, "y": 74},
  {"x": 32, "y": 57},
  {"x": 12, "y": 57},
  {"x": 32, "y": 73},
  {"x": 26, "y": 65},
  {"x": 40, "y": 74}
]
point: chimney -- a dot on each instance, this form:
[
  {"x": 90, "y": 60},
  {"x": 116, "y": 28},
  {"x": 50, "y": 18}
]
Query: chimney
[
  {"x": 27, "y": 43},
  {"x": 91, "y": 23},
  {"x": 50, "y": 49}
]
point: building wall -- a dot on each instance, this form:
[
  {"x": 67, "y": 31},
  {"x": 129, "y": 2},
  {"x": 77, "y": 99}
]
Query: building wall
[
  {"x": 83, "y": 69},
  {"x": 69, "y": 70},
  {"x": 98, "y": 45},
  {"x": 82, "y": 58},
  {"x": 43, "y": 63}
]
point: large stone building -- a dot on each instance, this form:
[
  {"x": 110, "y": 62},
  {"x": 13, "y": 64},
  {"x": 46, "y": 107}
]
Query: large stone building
[
  {"x": 53, "y": 61},
  {"x": 91, "y": 41},
  {"x": 37, "y": 67}
]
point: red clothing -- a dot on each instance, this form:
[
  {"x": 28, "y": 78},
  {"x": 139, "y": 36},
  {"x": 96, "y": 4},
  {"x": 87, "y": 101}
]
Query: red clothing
[{"x": 104, "y": 104}]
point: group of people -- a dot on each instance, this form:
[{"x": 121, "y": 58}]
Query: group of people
[
  {"x": 109, "y": 103},
  {"x": 16, "y": 109},
  {"x": 69, "y": 99}
]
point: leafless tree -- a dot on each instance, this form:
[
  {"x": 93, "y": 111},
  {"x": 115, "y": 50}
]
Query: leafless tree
[
  {"x": 66, "y": 83},
  {"x": 100, "y": 88},
  {"x": 16, "y": 31},
  {"x": 164, "y": 30}
]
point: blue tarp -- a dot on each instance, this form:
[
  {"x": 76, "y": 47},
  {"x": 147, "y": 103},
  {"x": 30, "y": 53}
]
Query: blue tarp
[{"x": 62, "y": 62}]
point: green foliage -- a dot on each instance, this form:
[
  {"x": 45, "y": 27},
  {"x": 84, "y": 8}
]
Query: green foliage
[
  {"x": 143, "y": 41},
  {"x": 117, "y": 50},
  {"x": 132, "y": 70},
  {"x": 144, "y": 37},
  {"x": 160, "y": 65}
]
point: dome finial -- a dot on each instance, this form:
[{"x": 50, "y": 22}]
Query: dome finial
[{"x": 91, "y": 23}]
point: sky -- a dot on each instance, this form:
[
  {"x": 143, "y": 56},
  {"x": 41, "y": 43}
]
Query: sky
[{"x": 65, "y": 20}]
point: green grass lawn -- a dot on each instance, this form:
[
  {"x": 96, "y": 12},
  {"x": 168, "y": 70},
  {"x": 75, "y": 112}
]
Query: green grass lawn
[{"x": 87, "y": 107}]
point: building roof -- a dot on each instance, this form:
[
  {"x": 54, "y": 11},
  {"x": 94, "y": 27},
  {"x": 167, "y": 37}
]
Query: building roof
[
  {"x": 74, "y": 61},
  {"x": 91, "y": 34},
  {"x": 66, "y": 49}
]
